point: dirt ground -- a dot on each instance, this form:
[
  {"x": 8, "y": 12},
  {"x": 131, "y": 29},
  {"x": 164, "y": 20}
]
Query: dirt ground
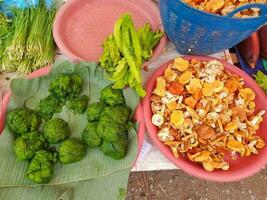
[{"x": 176, "y": 185}]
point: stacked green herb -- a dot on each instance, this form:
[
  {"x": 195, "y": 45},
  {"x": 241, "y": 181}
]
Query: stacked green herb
[
  {"x": 85, "y": 179},
  {"x": 125, "y": 51},
  {"x": 35, "y": 144},
  {"x": 108, "y": 123},
  {"x": 4, "y": 32},
  {"x": 29, "y": 43},
  {"x": 42, "y": 138}
]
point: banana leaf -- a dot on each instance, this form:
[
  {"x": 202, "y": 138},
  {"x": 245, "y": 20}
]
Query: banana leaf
[
  {"x": 93, "y": 168},
  {"x": 109, "y": 187}
]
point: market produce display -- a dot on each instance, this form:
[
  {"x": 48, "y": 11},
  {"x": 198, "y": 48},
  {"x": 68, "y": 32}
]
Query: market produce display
[
  {"x": 222, "y": 7},
  {"x": 204, "y": 113},
  {"x": 26, "y": 39},
  {"x": 73, "y": 129},
  {"x": 125, "y": 51},
  {"x": 32, "y": 144},
  {"x": 52, "y": 146},
  {"x": 108, "y": 123}
]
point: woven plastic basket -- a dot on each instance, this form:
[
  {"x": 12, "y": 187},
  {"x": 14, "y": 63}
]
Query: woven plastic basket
[{"x": 197, "y": 32}]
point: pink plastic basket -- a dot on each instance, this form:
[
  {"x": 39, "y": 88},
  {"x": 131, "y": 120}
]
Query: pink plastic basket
[
  {"x": 81, "y": 26},
  {"x": 239, "y": 168}
]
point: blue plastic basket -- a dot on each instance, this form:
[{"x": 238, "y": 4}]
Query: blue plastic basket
[{"x": 197, "y": 32}]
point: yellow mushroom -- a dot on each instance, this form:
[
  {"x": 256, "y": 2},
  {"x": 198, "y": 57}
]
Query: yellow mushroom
[
  {"x": 177, "y": 118},
  {"x": 185, "y": 77},
  {"x": 236, "y": 146},
  {"x": 181, "y": 64},
  {"x": 170, "y": 74},
  {"x": 160, "y": 89}
]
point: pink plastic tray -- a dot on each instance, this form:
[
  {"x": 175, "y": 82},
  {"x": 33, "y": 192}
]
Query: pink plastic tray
[
  {"x": 45, "y": 70},
  {"x": 81, "y": 26},
  {"x": 240, "y": 168}
]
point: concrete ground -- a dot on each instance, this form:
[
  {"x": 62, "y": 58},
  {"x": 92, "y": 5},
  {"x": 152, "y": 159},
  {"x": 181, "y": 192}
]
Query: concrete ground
[{"x": 176, "y": 185}]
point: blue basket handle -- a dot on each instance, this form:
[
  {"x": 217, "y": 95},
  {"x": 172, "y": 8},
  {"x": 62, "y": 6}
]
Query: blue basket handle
[{"x": 263, "y": 8}]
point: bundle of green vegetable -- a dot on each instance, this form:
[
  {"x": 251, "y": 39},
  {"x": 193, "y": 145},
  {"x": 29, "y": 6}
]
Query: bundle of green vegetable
[
  {"x": 107, "y": 125},
  {"x": 125, "y": 51},
  {"x": 29, "y": 43},
  {"x": 35, "y": 146},
  {"x": 4, "y": 32},
  {"x": 95, "y": 172}
]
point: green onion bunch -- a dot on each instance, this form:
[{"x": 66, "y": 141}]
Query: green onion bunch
[
  {"x": 4, "y": 32},
  {"x": 16, "y": 48},
  {"x": 29, "y": 43}
]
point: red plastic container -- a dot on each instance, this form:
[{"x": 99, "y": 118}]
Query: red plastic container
[
  {"x": 81, "y": 26},
  {"x": 239, "y": 168}
]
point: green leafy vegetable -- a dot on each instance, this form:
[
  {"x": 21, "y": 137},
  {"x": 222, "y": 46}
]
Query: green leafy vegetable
[
  {"x": 94, "y": 111},
  {"x": 71, "y": 150},
  {"x": 78, "y": 105},
  {"x": 22, "y": 120},
  {"x": 90, "y": 136},
  {"x": 116, "y": 150},
  {"x": 125, "y": 51},
  {"x": 48, "y": 106},
  {"x": 41, "y": 167},
  {"x": 56, "y": 130},
  {"x": 110, "y": 131},
  {"x": 66, "y": 86},
  {"x": 112, "y": 96},
  {"x": 27, "y": 144},
  {"x": 112, "y": 124},
  {"x": 261, "y": 79},
  {"x": 118, "y": 114},
  {"x": 148, "y": 40},
  {"x": 111, "y": 56}
]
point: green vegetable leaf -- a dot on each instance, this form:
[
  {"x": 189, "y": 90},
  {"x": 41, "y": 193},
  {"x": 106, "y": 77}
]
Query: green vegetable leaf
[
  {"x": 261, "y": 79},
  {"x": 148, "y": 39},
  {"x": 131, "y": 48}
]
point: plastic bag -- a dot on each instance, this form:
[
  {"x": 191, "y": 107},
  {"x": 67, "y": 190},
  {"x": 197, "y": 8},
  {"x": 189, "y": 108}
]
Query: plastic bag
[{"x": 6, "y": 5}]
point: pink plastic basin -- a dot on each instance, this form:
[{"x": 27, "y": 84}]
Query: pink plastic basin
[
  {"x": 81, "y": 26},
  {"x": 239, "y": 168},
  {"x": 139, "y": 117}
]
